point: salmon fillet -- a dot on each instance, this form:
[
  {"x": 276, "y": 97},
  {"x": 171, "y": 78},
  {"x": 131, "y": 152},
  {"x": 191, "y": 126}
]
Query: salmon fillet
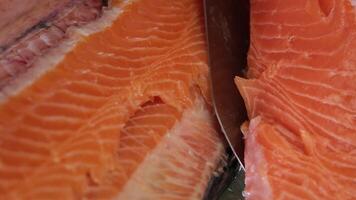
[
  {"x": 120, "y": 109},
  {"x": 301, "y": 100}
]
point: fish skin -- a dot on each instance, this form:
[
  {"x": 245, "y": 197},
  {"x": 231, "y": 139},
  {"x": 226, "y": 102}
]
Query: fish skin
[
  {"x": 62, "y": 136},
  {"x": 18, "y": 56},
  {"x": 302, "y": 70},
  {"x": 18, "y": 16}
]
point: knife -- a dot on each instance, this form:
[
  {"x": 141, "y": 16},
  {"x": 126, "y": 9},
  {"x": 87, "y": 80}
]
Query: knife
[{"x": 227, "y": 32}]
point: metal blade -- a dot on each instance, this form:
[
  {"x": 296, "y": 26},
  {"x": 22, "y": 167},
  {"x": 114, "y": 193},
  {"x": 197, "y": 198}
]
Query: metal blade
[{"x": 227, "y": 28}]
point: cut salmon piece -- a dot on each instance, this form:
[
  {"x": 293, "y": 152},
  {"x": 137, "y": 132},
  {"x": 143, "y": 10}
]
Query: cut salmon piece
[
  {"x": 278, "y": 169},
  {"x": 301, "y": 96},
  {"x": 123, "y": 112}
]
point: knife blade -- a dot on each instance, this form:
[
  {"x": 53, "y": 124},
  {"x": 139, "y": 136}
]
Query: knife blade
[{"x": 227, "y": 32}]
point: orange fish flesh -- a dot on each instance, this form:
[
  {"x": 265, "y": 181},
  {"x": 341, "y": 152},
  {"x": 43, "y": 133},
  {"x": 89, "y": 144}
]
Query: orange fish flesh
[
  {"x": 119, "y": 110},
  {"x": 301, "y": 100}
]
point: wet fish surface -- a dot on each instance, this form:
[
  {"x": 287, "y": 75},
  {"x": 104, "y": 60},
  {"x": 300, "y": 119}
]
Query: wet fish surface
[
  {"x": 108, "y": 103},
  {"x": 301, "y": 100}
]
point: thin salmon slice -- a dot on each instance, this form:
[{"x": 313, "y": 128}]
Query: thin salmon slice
[
  {"x": 301, "y": 100},
  {"x": 120, "y": 110}
]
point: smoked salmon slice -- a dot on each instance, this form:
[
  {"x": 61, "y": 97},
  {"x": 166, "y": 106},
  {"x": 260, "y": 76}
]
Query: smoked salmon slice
[
  {"x": 300, "y": 98},
  {"x": 119, "y": 109}
]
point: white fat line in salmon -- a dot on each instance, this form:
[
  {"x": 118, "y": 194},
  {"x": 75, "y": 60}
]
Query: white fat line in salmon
[{"x": 18, "y": 54}]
